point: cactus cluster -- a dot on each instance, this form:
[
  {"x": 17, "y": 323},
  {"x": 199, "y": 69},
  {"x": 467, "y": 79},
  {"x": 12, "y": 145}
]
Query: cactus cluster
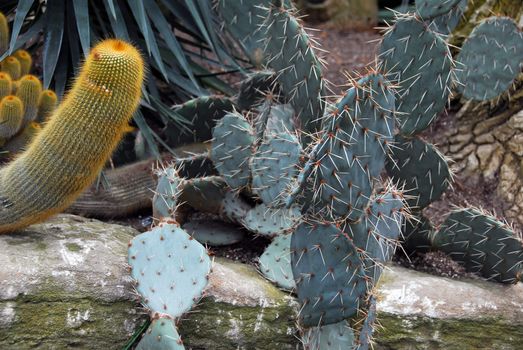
[{"x": 23, "y": 102}]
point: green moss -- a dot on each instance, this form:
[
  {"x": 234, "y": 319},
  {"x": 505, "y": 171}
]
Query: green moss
[
  {"x": 73, "y": 247},
  {"x": 414, "y": 333},
  {"x": 222, "y": 326}
]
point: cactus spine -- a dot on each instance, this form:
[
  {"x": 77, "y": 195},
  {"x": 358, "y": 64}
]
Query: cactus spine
[{"x": 71, "y": 150}]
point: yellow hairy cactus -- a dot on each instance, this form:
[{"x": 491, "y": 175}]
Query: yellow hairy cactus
[
  {"x": 70, "y": 151},
  {"x": 26, "y": 61},
  {"x": 11, "y": 115},
  {"x": 46, "y": 104},
  {"x": 22, "y": 139},
  {"x": 29, "y": 91},
  {"x": 4, "y": 34},
  {"x": 6, "y": 85},
  {"x": 12, "y": 66}
]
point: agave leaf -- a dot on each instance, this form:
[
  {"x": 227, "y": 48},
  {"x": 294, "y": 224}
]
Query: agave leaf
[
  {"x": 81, "y": 11},
  {"x": 54, "y": 33}
]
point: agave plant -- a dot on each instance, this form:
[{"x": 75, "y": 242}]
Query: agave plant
[{"x": 177, "y": 37}]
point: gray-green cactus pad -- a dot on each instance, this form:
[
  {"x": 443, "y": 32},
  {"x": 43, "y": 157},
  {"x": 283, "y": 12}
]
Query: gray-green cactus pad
[
  {"x": 353, "y": 148},
  {"x": 161, "y": 335},
  {"x": 275, "y": 262},
  {"x": 430, "y": 9},
  {"x": 420, "y": 169},
  {"x": 274, "y": 166},
  {"x": 420, "y": 62},
  {"x": 367, "y": 330},
  {"x": 448, "y": 21},
  {"x": 214, "y": 232},
  {"x": 170, "y": 269},
  {"x": 165, "y": 197},
  {"x": 482, "y": 244},
  {"x": 329, "y": 274},
  {"x": 335, "y": 336},
  {"x": 232, "y": 149},
  {"x": 202, "y": 114},
  {"x": 268, "y": 221},
  {"x": 298, "y": 70},
  {"x": 254, "y": 88},
  {"x": 490, "y": 59}
]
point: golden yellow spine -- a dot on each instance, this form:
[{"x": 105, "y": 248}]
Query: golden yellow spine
[
  {"x": 26, "y": 61},
  {"x": 29, "y": 91},
  {"x": 6, "y": 85},
  {"x": 72, "y": 148},
  {"x": 46, "y": 104},
  {"x": 4, "y": 34},
  {"x": 11, "y": 115},
  {"x": 12, "y": 66}
]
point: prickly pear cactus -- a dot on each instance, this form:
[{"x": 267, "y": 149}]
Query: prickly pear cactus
[
  {"x": 165, "y": 199},
  {"x": 161, "y": 335},
  {"x": 275, "y": 262},
  {"x": 270, "y": 221},
  {"x": 170, "y": 268},
  {"x": 490, "y": 59},
  {"x": 483, "y": 244}
]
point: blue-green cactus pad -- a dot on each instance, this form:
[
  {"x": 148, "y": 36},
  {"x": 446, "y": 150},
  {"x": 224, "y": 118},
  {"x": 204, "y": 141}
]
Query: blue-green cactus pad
[
  {"x": 202, "y": 113},
  {"x": 430, "y": 9},
  {"x": 268, "y": 221},
  {"x": 232, "y": 148},
  {"x": 416, "y": 235},
  {"x": 274, "y": 166},
  {"x": 165, "y": 197},
  {"x": 378, "y": 232},
  {"x": 275, "y": 262},
  {"x": 365, "y": 337},
  {"x": 329, "y": 274},
  {"x": 299, "y": 73},
  {"x": 482, "y": 244},
  {"x": 170, "y": 269},
  {"x": 420, "y": 169},
  {"x": 254, "y": 87},
  {"x": 353, "y": 148},
  {"x": 447, "y": 22},
  {"x": 161, "y": 335},
  {"x": 420, "y": 62},
  {"x": 280, "y": 120},
  {"x": 490, "y": 59},
  {"x": 213, "y": 232},
  {"x": 335, "y": 336}
]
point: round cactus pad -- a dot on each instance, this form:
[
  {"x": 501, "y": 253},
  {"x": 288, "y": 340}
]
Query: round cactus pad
[
  {"x": 170, "y": 269},
  {"x": 275, "y": 262}
]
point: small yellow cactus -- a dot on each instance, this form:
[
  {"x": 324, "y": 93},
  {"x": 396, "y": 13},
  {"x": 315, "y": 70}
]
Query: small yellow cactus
[
  {"x": 80, "y": 135},
  {"x": 12, "y": 66},
  {"x": 26, "y": 61},
  {"x": 22, "y": 139},
  {"x": 6, "y": 85},
  {"x": 46, "y": 104},
  {"x": 29, "y": 91},
  {"x": 11, "y": 115},
  {"x": 4, "y": 34}
]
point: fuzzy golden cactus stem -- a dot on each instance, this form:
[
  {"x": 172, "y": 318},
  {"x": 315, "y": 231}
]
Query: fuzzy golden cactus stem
[{"x": 80, "y": 135}]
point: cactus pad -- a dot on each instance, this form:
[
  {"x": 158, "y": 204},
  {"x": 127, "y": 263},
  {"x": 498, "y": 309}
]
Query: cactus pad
[
  {"x": 274, "y": 166},
  {"x": 446, "y": 22},
  {"x": 267, "y": 221},
  {"x": 416, "y": 236},
  {"x": 275, "y": 262},
  {"x": 482, "y": 244},
  {"x": 420, "y": 169},
  {"x": 161, "y": 335},
  {"x": 419, "y": 61},
  {"x": 335, "y": 336},
  {"x": 367, "y": 329},
  {"x": 232, "y": 148},
  {"x": 490, "y": 59},
  {"x": 329, "y": 274},
  {"x": 165, "y": 199},
  {"x": 430, "y": 9},
  {"x": 254, "y": 87},
  {"x": 353, "y": 148},
  {"x": 202, "y": 113},
  {"x": 213, "y": 232},
  {"x": 298, "y": 70},
  {"x": 170, "y": 268}
]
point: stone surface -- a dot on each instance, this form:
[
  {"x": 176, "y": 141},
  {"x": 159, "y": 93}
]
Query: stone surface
[{"x": 64, "y": 284}]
